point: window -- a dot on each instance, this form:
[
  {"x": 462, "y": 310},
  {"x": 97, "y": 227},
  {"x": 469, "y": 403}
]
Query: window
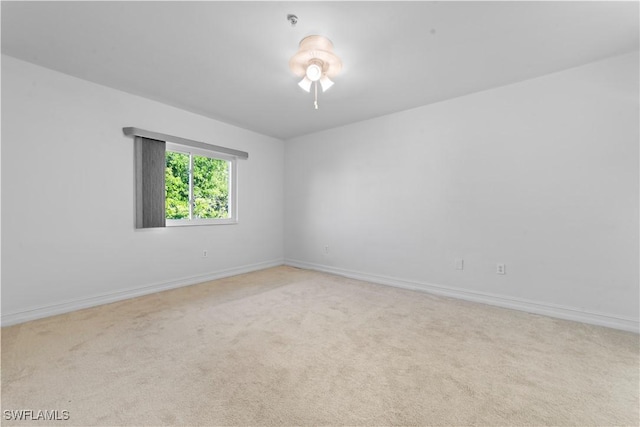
[
  {"x": 199, "y": 186},
  {"x": 180, "y": 181}
]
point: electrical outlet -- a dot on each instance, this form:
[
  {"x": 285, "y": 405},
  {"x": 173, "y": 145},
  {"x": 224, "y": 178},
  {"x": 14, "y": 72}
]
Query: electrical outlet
[
  {"x": 500, "y": 269},
  {"x": 459, "y": 263},
  {"x": 204, "y": 253},
  {"x": 326, "y": 249}
]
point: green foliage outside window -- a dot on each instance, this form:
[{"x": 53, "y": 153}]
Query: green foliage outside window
[
  {"x": 177, "y": 185},
  {"x": 210, "y": 186}
]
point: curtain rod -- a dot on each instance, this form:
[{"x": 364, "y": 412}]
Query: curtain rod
[{"x": 131, "y": 131}]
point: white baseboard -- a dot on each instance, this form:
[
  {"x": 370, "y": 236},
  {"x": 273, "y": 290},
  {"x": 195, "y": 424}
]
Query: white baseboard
[
  {"x": 552, "y": 310},
  {"x": 80, "y": 303},
  {"x": 547, "y": 309}
]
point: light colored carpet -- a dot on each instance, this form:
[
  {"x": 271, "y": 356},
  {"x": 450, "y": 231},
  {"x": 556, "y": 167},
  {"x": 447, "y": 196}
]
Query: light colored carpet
[{"x": 292, "y": 347}]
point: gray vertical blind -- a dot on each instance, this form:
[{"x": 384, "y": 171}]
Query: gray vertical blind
[{"x": 150, "y": 187}]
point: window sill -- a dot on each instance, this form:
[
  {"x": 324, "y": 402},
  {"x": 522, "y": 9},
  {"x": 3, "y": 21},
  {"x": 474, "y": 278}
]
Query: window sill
[{"x": 196, "y": 222}]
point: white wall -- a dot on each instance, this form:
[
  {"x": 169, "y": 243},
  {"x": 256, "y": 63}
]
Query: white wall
[
  {"x": 68, "y": 237},
  {"x": 540, "y": 175}
]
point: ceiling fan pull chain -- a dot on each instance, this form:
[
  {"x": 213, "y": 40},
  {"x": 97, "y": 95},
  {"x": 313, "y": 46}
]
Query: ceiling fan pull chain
[{"x": 315, "y": 87}]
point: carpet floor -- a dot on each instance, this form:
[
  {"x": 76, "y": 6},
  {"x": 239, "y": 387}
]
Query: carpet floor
[{"x": 285, "y": 346}]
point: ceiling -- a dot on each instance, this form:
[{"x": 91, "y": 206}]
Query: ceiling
[{"x": 229, "y": 60}]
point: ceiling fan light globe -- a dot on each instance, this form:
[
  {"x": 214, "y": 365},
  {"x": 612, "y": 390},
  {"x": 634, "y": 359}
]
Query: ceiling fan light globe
[
  {"x": 305, "y": 84},
  {"x": 326, "y": 83},
  {"x": 314, "y": 72}
]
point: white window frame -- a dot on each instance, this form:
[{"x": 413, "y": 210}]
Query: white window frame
[{"x": 233, "y": 187}]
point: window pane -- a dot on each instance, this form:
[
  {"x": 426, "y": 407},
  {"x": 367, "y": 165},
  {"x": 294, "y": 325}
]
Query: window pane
[
  {"x": 210, "y": 187},
  {"x": 177, "y": 185}
]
